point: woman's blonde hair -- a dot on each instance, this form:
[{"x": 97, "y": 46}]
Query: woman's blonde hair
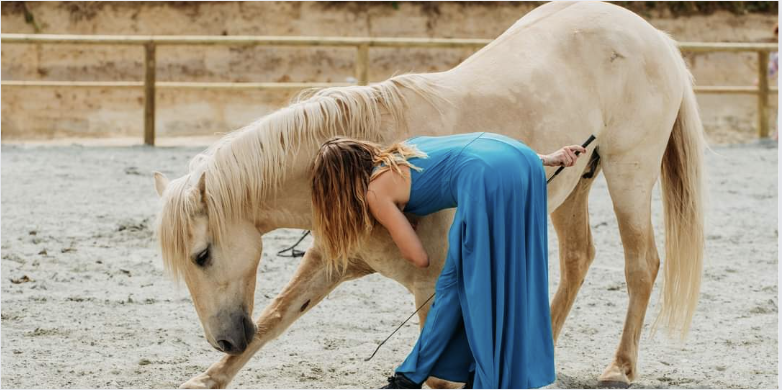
[{"x": 341, "y": 173}]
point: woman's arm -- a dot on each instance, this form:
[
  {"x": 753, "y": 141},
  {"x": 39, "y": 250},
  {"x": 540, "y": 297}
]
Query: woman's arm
[
  {"x": 388, "y": 214},
  {"x": 565, "y": 157}
]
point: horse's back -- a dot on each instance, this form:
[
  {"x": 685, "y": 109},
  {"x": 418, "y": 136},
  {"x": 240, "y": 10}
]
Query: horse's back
[
  {"x": 568, "y": 70},
  {"x": 582, "y": 38}
]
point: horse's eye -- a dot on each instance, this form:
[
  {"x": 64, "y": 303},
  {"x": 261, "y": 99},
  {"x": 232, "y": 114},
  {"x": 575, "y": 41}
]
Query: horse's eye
[{"x": 202, "y": 258}]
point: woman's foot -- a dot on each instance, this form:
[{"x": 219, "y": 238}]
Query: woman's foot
[{"x": 399, "y": 381}]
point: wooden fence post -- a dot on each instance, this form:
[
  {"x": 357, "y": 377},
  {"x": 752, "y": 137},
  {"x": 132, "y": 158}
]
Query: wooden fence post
[
  {"x": 362, "y": 64},
  {"x": 762, "y": 93},
  {"x": 149, "y": 94}
]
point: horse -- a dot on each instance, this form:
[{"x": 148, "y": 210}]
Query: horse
[{"x": 560, "y": 73}]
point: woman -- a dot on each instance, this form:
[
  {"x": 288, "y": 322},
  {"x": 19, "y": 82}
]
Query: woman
[{"x": 489, "y": 324}]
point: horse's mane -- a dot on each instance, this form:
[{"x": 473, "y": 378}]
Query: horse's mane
[{"x": 246, "y": 165}]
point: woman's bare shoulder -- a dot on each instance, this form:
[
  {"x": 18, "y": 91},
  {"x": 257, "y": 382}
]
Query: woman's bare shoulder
[{"x": 390, "y": 184}]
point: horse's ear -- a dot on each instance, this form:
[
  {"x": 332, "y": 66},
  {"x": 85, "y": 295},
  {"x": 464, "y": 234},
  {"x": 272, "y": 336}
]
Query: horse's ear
[
  {"x": 161, "y": 182},
  {"x": 202, "y": 187}
]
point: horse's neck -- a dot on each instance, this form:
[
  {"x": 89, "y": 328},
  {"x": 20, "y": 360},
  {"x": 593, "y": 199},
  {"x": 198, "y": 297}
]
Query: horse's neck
[{"x": 290, "y": 205}]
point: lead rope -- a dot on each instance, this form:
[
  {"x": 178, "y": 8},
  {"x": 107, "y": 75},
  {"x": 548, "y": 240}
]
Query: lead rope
[
  {"x": 294, "y": 252},
  {"x": 584, "y": 145}
]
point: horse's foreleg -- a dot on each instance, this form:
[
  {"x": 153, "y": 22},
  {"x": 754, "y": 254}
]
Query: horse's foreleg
[
  {"x": 576, "y": 251},
  {"x": 309, "y": 285},
  {"x": 630, "y": 186}
]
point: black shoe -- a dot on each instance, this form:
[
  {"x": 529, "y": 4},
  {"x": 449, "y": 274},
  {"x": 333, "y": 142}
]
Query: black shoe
[
  {"x": 399, "y": 381},
  {"x": 470, "y": 380}
]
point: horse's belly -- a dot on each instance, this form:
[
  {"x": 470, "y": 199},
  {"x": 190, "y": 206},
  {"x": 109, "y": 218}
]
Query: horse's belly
[{"x": 382, "y": 255}]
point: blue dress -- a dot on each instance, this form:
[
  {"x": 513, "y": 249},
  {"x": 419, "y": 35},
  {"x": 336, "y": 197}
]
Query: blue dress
[{"x": 491, "y": 312}]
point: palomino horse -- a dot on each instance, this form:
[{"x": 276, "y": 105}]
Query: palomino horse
[{"x": 561, "y": 73}]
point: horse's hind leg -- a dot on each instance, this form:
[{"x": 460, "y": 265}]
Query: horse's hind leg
[
  {"x": 309, "y": 285},
  {"x": 576, "y": 251},
  {"x": 630, "y": 180}
]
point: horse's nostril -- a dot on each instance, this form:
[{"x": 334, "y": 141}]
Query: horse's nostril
[{"x": 225, "y": 346}]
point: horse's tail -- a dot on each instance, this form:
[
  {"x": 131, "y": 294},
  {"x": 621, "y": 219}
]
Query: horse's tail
[{"x": 682, "y": 178}]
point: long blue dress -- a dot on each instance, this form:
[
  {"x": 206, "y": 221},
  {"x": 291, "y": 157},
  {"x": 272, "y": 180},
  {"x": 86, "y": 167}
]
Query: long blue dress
[{"x": 491, "y": 312}]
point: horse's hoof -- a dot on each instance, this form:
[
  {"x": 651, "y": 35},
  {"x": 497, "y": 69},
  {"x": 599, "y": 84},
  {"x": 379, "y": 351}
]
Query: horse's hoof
[
  {"x": 612, "y": 385},
  {"x": 437, "y": 383},
  {"x": 613, "y": 378},
  {"x": 202, "y": 381}
]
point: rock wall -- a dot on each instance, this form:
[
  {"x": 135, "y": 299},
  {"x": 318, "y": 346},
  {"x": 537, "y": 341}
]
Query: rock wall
[{"x": 41, "y": 113}]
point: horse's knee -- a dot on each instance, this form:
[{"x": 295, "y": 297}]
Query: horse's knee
[
  {"x": 641, "y": 274},
  {"x": 576, "y": 263},
  {"x": 271, "y": 318}
]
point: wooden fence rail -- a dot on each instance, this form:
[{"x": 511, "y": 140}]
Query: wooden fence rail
[{"x": 362, "y": 46}]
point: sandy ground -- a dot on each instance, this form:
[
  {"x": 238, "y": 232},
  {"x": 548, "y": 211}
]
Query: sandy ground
[{"x": 85, "y": 302}]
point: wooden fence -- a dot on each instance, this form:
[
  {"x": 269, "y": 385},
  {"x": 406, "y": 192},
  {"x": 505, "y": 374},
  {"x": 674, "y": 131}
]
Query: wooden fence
[{"x": 362, "y": 45}]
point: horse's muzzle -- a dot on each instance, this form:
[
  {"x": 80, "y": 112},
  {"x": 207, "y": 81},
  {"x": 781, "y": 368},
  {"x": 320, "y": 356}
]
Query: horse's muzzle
[{"x": 234, "y": 340}]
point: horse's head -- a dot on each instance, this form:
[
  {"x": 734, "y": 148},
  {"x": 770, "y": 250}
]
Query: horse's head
[{"x": 216, "y": 255}]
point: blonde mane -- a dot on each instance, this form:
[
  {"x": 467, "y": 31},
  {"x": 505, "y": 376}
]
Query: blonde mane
[{"x": 247, "y": 165}]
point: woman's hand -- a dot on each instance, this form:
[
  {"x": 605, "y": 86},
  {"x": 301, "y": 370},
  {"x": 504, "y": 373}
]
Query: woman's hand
[{"x": 565, "y": 157}]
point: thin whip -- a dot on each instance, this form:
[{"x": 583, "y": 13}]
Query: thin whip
[
  {"x": 399, "y": 327},
  {"x": 584, "y": 145}
]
